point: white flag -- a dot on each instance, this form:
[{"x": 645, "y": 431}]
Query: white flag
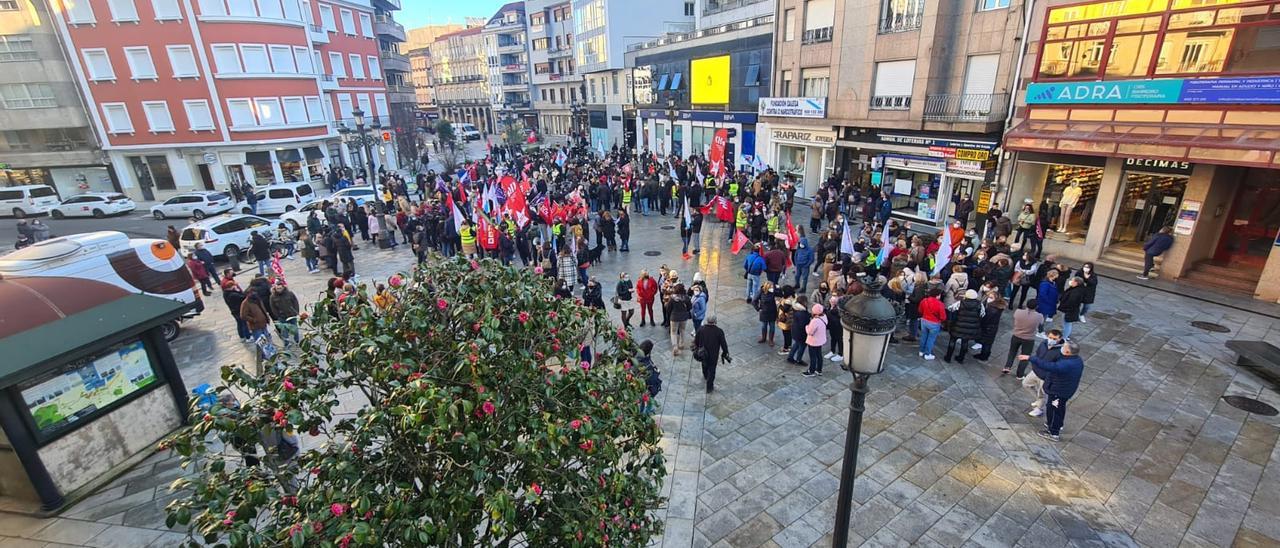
[
  {"x": 944, "y": 252},
  {"x": 846, "y": 240}
]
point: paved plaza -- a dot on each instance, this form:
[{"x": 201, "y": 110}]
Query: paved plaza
[{"x": 1150, "y": 455}]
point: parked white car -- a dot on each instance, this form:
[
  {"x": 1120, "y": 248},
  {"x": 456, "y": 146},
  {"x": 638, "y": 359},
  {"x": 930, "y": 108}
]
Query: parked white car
[
  {"x": 281, "y": 198},
  {"x": 298, "y": 218},
  {"x": 226, "y": 235},
  {"x": 360, "y": 194},
  {"x": 21, "y": 201},
  {"x": 194, "y": 204},
  {"x": 467, "y": 132},
  {"x": 93, "y": 204}
]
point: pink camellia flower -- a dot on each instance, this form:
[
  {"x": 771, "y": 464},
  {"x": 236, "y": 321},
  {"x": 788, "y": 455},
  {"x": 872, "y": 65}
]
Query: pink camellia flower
[
  {"x": 442, "y": 304},
  {"x": 345, "y": 541},
  {"x": 551, "y": 315},
  {"x": 575, "y": 424},
  {"x": 622, "y": 333},
  {"x": 278, "y": 417},
  {"x": 587, "y": 445},
  {"x": 297, "y": 528},
  {"x": 487, "y": 407},
  {"x": 396, "y": 281},
  {"x": 231, "y": 516},
  {"x": 586, "y": 366},
  {"x": 475, "y": 265},
  {"x": 523, "y": 317},
  {"x": 626, "y": 365},
  {"x": 537, "y": 489},
  {"x": 316, "y": 527},
  {"x": 288, "y": 385},
  {"x": 338, "y": 509},
  {"x": 537, "y": 270}
]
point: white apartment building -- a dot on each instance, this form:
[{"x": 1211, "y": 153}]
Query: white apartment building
[{"x": 507, "y": 52}]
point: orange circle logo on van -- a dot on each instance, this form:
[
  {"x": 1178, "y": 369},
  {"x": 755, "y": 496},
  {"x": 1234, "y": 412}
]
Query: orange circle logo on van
[{"x": 162, "y": 250}]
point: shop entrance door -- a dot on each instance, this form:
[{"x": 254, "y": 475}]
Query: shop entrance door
[
  {"x": 206, "y": 177},
  {"x": 1149, "y": 203},
  {"x": 1251, "y": 229}
]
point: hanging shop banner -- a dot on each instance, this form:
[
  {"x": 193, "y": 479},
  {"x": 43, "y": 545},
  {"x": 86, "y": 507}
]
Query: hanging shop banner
[
  {"x": 984, "y": 201},
  {"x": 1248, "y": 90},
  {"x": 1187, "y": 216},
  {"x": 716, "y": 157},
  {"x": 793, "y": 107}
]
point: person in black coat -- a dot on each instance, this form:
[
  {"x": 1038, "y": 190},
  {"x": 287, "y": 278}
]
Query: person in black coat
[
  {"x": 260, "y": 247},
  {"x": 993, "y": 305},
  {"x": 711, "y": 342},
  {"x": 766, "y": 304},
  {"x": 623, "y": 225},
  {"x": 1070, "y": 304},
  {"x": 234, "y": 297},
  {"x": 342, "y": 246},
  {"x": 1090, "y": 278},
  {"x": 966, "y": 326},
  {"x": 591, "y": 296}
]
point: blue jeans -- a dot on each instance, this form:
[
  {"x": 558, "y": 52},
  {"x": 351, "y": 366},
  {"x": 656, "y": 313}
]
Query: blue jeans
[
  {"x": 768, "y": 328},
  {"x": 797, "y": 349},
  {"x": 262, "y": 267},
  {"x": 684, "y": 250},
  {"x": 913, "y": 328},
  {"x": 802, "y": 279},
  {"x": 815, "y": 359},
  {"x": 753, "y": 285},
  {"x": 928, "y": 335},
  {"x": 1066, "y": 329},
  {"x": 696, "y": 238},
  {"x": 312, "y": 263},
  {"x": 242, "y": 328}
]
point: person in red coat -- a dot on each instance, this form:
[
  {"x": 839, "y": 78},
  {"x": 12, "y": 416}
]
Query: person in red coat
[{"x": 646, "y": 290}]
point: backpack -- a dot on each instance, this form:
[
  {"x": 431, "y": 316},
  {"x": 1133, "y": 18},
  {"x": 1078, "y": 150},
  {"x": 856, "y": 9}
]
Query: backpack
[{"x": 654, "y": 380}]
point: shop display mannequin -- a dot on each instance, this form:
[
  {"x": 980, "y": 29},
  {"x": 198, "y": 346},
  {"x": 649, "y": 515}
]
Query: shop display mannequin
[{"x": 1070, "y": 197}]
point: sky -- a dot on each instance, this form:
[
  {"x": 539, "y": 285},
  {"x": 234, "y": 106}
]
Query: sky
[{"x": 417, "y": 13}]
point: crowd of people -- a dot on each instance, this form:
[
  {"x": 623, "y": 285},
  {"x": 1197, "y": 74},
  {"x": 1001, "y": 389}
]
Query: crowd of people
[{"x": 557, "y": 210}]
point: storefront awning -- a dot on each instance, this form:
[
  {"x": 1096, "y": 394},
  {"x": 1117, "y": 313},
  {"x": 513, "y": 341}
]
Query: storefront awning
[
  {"x": 313, "y": 153},
  {"x": 1198, "y": 143},
  {"x": 257, "y": 158},
  {"x": 288, "y": 155}
]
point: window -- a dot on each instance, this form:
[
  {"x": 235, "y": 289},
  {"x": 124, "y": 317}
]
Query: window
[
  {"x": 315, "y": 109},
  {"x": 784, "y": 87},
  {"x": 242, "y": 8},
  {"x": 182, "y": 61},
  {"x": 987, "y": 5},
  {"x": 789, "y": 25},
  {"x": 269, "y": 112},
  {"x": 348, "y": 22},
  {"x": 166, "y": 10},
  {"x": 17, "y": 47},
  {"x": 98, "y": 64},
  {"x": 893, "y": 84},
  {"x": 198, "y": 114},
  {"x": 384, "y": 113},
  {"x": 302, "y": 59},
  {"x": 366, "y": 25},
  {"x": 1130, "y": 55},
  {"x": 357, "y": 66},
  {"x": 8, "y": 5},
  {"x": 675, "y": 81},
  {"x": 326, "y": 18},
  {"x": 336, "y": 65},
  {"x": 980, "y": 82},
  {"x": 241, "y": 113},
  {"x": 375, "y": 68},
  {"x": 79, "y": 12},
  {"x": 123, "y": 11},
  {"x": 15, "y": 96},
  {"x": 158, "y": 118},
  {"x": 292, "y": 12},
  {"x": 688, "y": 9},
  {"x": 901, "y": 15},
  {"x": 819, "y": 15},
  {"x": 282, "y": 59},
  {"x": 539, "y": 44},
  {"x": 226, "y": 59},
  {"x": 344, "y": 106},
  {"x": 140, "y": 64},
  {"x": 213, "y": 7},
  {"x": 815, "y": 82},
  {"x": 1198, "y": 51},
  {"x": 295, "y": 111},
  {"x": 365, "y": 105},
  {"x": 256, "y": 60},
  {"x": 270, "y": 9},
  {"x": 537, "y": 19},
  {"x": 117, "y": 118}
]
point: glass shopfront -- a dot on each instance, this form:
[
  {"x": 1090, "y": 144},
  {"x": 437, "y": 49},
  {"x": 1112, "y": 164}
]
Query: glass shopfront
[
  {"x": 916, "y": 187},
  {"x": 1148, "y": 203},
  {"x": 1070, "y": 193},
  {"x": 1250, "y": 234}
]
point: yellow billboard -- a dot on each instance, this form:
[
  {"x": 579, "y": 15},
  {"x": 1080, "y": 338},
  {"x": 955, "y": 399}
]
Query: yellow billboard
[{"x": 709, "y": 82}]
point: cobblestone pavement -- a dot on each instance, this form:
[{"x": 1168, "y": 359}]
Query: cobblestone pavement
[{"x": 1150, "y": 454}]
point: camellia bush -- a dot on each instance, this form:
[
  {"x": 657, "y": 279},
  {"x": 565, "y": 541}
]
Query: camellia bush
[{"x": 468, "y": 417}]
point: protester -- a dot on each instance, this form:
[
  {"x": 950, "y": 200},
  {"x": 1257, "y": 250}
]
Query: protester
[
  {"x": 815, "y": 339},
  {"x": 625, "y": 303},
  {"x": 766, "y": 305},
  {"x": 966, "y": 326},
  {"x": 709, "y": 348}
]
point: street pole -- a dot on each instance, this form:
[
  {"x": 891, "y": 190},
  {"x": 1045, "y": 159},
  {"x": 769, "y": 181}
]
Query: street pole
[{"x": 848, "y": 469}]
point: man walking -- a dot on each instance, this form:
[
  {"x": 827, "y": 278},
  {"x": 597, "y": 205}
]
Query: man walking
[
  {"x": 709, "y": 347},
  {"x": 1062, "y": 378},
  {"x": 1156, "y": 245},
  {"x": 754, "y": 266}
]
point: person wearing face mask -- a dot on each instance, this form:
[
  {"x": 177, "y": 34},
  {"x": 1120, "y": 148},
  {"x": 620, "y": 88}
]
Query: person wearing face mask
[
  {"x": 1061, "y": 380},
  {"x": 1023, "y": 278},
  {"x": 966, "y": 327},
  {"x": 993, "y": 305},
  {"x": 821, "y": 294},
  {"x": 626, "y": 302},
  {"x": 1070, "y": 304},
  {"x": 1023, "y": 339},
  {"x": 1090, "y": 278},
  {"x": 697, "y": 305},
  {"x": 1049, "y": 350}
]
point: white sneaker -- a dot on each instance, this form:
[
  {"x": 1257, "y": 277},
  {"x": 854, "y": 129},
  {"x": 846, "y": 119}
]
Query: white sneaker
[
  {"x": 1037, "y": 412},
  {"x": 976, "y": 346},
  {"x": 837, "y": 358},
  {"x": 929, "y": 356},
  {"x": 1082, "y": 320},
  {"x": 1140, "y": 277},
  {"x": 921, "y": 354},
  {"x": 1041, "y": 336},
  {"x": 828, "y": 355}
]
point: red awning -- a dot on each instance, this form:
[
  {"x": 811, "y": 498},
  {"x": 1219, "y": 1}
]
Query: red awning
[{"x": 1254, "y": 146}]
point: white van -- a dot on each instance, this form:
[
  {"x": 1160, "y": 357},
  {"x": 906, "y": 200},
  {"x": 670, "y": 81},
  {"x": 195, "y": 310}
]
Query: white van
[
  {"x": 21, "y": 201},
  {"x": 467, "y": 132},
  {"x": 281, "y": 198}
]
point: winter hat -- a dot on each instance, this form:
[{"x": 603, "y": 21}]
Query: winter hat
[
  {"x": 697, "y": 277},
  {"x": 970, "y": 294},
  {"x": 817, "y": 309}
]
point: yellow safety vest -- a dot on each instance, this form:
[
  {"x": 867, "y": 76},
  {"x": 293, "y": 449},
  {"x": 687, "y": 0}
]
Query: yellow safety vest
[
  {"x": 772, "y": 225},
  {"x": 626, "y": 196},
  {"x": 556, "y": 229},
  {"x": 468, "y": 235},
  {"x": 742, "y": 219},
  {"x": 710, "y": 182},
  {"x": 674, "y": 190},
  {"x": 733, "y": 189}
]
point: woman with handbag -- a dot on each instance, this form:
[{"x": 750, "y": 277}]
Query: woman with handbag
[
  {"x": 624, "y": 300},
  {"x": 678, "y": 305}
]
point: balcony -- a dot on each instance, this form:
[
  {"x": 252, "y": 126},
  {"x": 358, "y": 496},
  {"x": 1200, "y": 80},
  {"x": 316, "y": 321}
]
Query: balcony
[
  {"x": 891, "y": 102},
  {"x": 511, "y": 48},
  {"x": 401, "y": 94},
  {"x": 712, "y": 7},
  {"x": 387, "y": 5},
  {"x": 394, "y": 62},
  {"x": 951, "y": 107},
  {"x": 901, "y": 22},
  {"x": 816, "y": 36},
  {"x": 389, "y": 29},
  {"x": 514, "y": 68},
  {"x": 328, "y": 82},
  {"x": 318, "y": 34},
  {"x": 559, "y": 52}
]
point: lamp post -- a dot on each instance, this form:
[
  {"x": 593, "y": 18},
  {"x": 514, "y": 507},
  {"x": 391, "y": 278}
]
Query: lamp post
[
  {"x": 365, "y": 144},
  {"x": 671, "y": 124},
  {"x": 868, "y": 320}
]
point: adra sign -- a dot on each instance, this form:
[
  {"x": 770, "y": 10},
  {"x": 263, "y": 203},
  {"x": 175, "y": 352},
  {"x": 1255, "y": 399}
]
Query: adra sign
[{"x": 1250, "y": 90}]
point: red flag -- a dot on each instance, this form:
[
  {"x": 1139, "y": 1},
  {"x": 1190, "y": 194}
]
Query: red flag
[
  {"x": 508, "y": 184},
  {"x": 724, "y": 210},
  {"x": 739, "y": 241},
  {"x": 706, "y": 208},
  {"x": 487, "y": 232},
  {"x": 518, "y": 208},
  {"x": 545, "y": 210},
  {"x": 716, "y": 157},
  {"x": 793, "y": 237}
]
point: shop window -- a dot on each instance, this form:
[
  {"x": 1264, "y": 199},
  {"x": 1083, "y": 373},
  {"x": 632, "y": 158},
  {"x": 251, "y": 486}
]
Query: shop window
[
  {"x": 1069, "y": 192},
  {"x": 791, "y": 161},
  {"x": 913, "y": 194},
  {"x": 1131, "y": 55},
  {"x": 1194, "y": 51},
  {"x": 1255, "y": 49}
]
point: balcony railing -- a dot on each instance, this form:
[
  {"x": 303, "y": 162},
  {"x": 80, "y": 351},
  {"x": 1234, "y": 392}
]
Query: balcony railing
[
  {"x": 560, "y": 51},
  {"x": 713, "y": 7},
  {"x": 385, "y": 26},
  {"x": 763, "y": 20},
  {"x": 815, "y": 36},
  {"x": 951, "y": 107},
  {"x": 901, "y": 22},
  {"x": 891, "y": 102}
]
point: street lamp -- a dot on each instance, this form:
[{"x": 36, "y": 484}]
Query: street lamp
[
  {"x": 869, "y": 320},
  {"x": 366, "y": 147},
  {"x": 671, "y": 124}
]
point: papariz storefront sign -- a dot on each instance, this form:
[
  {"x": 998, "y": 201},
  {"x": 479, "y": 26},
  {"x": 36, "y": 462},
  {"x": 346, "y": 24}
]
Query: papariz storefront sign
[{"x": 1253, "y": 90}]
